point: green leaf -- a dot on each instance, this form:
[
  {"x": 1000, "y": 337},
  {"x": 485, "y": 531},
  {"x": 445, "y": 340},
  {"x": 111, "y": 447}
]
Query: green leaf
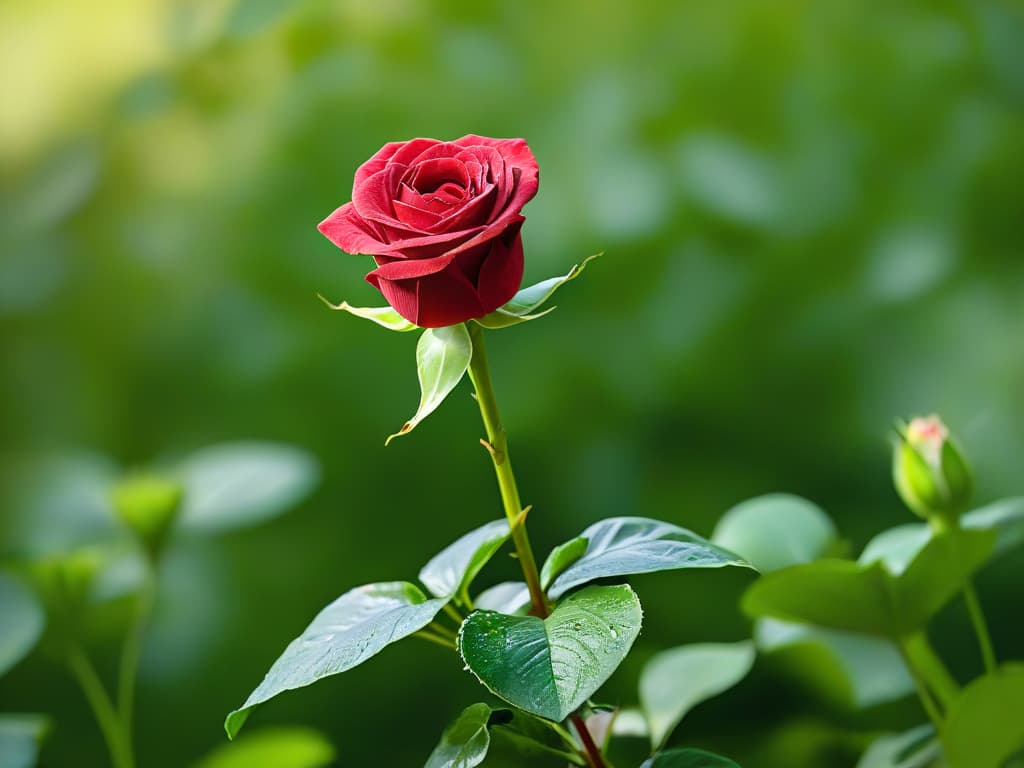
[
  {"x": 290, "y": 747},
  {"x": 524, "y": 305},
  {"x": 465, "y": 742},
  {"x": 442, "y": 358},
  {"x": 841, "y": 594},
  {"x": 232, "y": 485},
  {"x": 984, "y": 727},
  {"x": 561, "y": 557},
  {"x": 356, "y": 626},
  {"x": 383, "y": 316},
  {"x": 552, "y": 666},
  {"x": 620, "y": 546},
  {"x": 530, "y": 736},
  {"x": 871, "y": 668},
  {"x": 688, "y": 758},
  {"x": 775, "y": 531},
  {"x": 674, "y": 681},
  {"x": 1005, "y": 516},
  {"x": 897, "y": 546},
  {"x": 451, "y": 571},
  {"x": 916, "y": 748},
  {"x": 21, "y": 621},
  {"x": 20, "y": 739},
  {"x": 511, "y": 597}
]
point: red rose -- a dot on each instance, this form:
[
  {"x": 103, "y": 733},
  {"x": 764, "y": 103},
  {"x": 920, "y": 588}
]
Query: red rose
[{"x": 442, "y": 220}]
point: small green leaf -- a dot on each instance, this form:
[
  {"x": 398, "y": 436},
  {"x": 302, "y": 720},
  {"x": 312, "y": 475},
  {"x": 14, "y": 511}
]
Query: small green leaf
[
  {"x": 530, "y": 736},
  {"x": 916, "y": 748},
  {"x": 465, "y": 742},
  {"x": 452, "y": 570},
  {"x": 1005, "y": 516},
  {"x": 290, "y": 747},
  {"x": 20, "y": 739},
  {"x": 511, "y": 597},
  {"x": 984, "y": 727},
  {"x": 383, "y": 316},
  {"x": 356, "y": 626},
  {"x": 524, "y": 305},
  {"x": 442, "y": 358},
  {"x": 775, "y": 531},
  {"x": 550, "y": 667},
  {"x": 674, "y": 681},
  {"x": 21, "y": 621},
  {"x": 688, "y": 758},
  {"x": 561, "y": 557},
  {"x": 871, "y": 668},
  {"x": 232, "y": 485},
  {"x": 866, "y": 597},
  {"x": 897, "y": 547},
  {"x": 621, "y": 546}
]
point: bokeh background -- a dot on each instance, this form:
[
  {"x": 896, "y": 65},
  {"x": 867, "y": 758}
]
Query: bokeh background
[{"x": 811, "y": 214}]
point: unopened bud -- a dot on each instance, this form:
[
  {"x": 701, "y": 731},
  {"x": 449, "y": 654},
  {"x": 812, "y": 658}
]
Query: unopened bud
[
  {"x": 148, "y": 505},
  {"x": 930, "y": 472}
]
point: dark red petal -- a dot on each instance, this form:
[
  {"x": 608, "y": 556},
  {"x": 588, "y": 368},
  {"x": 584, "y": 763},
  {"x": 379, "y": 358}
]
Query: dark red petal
[
  {"x": 372, "y": 199},
  {"x": 428, "y": 175},
  {"x": 376, "y": 163},
  {"x": 471, "y": 214},
  {"x": 415, "y": 149},
  {"x": 521, "y": 183},
  {"x": 417, "y": 218},
  {"x": 445, "y": 298},
  {"x": 501, "y": 274},
  {"x": 349, "y": 232},
  {"x": 409, "y": 269}
]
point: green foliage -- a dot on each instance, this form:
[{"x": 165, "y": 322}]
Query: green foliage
[
  {"x": 550, "y": 667},
  {"x": 383, "y": 316},
  {"x": 465, "y": 742},
  {"x": 916, "y": 748},
  {"x": 442, "y": 358},
  {"x": 290, "y": 747},
  {"x": 356, "y": 626},
  {"x": 676, "y": 680},
  {"x": 21, "y": 621},
  {"x": 688, "y": 758},
  {"x": 841, "y": 594},
  {"x": 451, "y": 571},
  {"x": 774, "y": 531},
  {"x": 233, "y": 485},
  {"x": 623, "y": 546},
  {"x": 21, "y": 737},
  {"x": 984, "y": 729},
  {"x": 560, "y": 558}
]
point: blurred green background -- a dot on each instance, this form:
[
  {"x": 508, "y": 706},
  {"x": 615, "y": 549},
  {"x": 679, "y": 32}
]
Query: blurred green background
[{"x": 812, "y": 218}]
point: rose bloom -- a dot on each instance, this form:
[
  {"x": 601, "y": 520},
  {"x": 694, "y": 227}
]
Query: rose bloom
[{"x": 442, "y": 221}]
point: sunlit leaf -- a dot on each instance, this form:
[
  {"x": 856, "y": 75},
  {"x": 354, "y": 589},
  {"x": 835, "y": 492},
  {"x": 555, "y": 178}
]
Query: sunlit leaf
[
  {"x": 676, "y": 680},
  {"x": 841, "y": 594},
  {"x": 451, "y": 571},
  {"x": 524, "y": 305},
  {"x": 442, "y": 358},
  {"x": 238, "y": 484},
  {"x": 356, "y": 626},
  {"x": 621, "y": 546},
  {"x": 21, "y": 621},
  {"x": 688, "y": 758},
  {"x": 383, "y": 316},
  {"x": 984, "y": 726},
  {"x": 916, "y": 748},
  {"x": 20, "y": 739},
  {"x": 775, "y": 531},
  {"x": 465, "y": 742},
  {"x": 273, "y": 748},
  {"x": 561, "y": 557},
  {"x": 870, "y": 667},
  {"x": 509, "y": 597},
  {"x": 552, "y": 666}
]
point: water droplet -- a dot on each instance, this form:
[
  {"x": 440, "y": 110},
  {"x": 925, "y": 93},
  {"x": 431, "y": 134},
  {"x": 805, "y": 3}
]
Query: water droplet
[
  {"x": 577, "y": 626},
  {"x": 614, "y": 632}
]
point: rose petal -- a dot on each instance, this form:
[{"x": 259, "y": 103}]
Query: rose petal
[
  {"x": 349, "y": 232},
  {"x": 376, "y": 163},
  {"x": 373, "y": 198},
  {"x": 428, "y": 175},
  {"x": 502, "y": 271},
  {"x": 420, "y": 149},
  {"x": 417, "y": 218},
  {"x": 409, "y": 269},
  {"x": 516, "y": 154}
]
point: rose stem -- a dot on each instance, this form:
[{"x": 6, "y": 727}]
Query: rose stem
[{"x": 497, "y": 447}]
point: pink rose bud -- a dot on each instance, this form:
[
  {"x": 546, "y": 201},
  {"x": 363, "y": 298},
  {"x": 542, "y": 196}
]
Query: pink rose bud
[
  {"x": 442, "y": 221},
  {"x": 930, "y": 472}
]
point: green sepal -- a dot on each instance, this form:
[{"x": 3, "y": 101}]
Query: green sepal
[
  {"x": 386, "y": 317},
  {"x": 524, "y": 305},
  {"x": 442, "y": 359}
]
